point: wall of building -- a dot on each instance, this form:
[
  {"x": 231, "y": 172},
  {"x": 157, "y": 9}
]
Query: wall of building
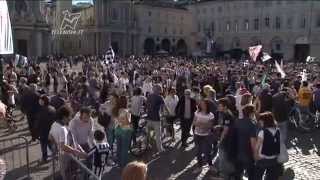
[{"x": 239, "y": 24}]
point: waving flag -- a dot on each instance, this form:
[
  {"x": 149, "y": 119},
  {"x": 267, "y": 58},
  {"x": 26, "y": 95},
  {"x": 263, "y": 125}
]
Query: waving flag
[
  {"x": 310, "y": 59},
  {"x": 265, "y": 57},
  {"x": 6, "y": 44},
  {"x": 109, "y": 57},
  {"x": 254, "y": 52},
  {"x": 280, "y": 70}
]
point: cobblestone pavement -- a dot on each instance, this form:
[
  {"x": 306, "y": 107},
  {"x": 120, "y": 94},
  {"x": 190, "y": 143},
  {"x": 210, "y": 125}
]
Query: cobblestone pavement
[{"x": 174, "y": 164}]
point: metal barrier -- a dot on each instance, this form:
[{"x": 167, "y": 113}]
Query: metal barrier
[
  {"x": 77, "y": 170},
  {"x": 15, "y": 153}
]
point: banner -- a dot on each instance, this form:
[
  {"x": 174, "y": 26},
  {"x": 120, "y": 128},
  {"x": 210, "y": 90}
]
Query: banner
[
  {"x": 254, "y": 52},
  {"x": 6, "y": 44}
]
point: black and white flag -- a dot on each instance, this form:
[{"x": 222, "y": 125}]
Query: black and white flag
[{"x": 109, "y": 57}]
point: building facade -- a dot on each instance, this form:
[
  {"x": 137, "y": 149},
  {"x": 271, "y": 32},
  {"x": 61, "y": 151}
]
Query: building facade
[
  {"x": 286, "y": 29},
  {"x": 31, "y": 34},
  {"x": 164, "y": 28}
]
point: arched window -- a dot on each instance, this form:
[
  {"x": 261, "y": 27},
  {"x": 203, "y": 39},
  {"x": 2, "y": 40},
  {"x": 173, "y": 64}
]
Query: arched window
[
  {"x": 256, "y": 24},
  {"x": 267, "y": 21},
  {"x": 228, "y": 26}
]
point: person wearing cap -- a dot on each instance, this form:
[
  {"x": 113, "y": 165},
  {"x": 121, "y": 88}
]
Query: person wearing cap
[{"x": 185, "y": 110}]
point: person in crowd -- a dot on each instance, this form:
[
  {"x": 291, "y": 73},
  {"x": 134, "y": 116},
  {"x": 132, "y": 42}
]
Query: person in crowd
[
  {"x": 45, "y": 117},
  {"x": 185, "y": 110},
  {"x": 81, "y": 126},
  {"x": 59, "y": 100},
  {"x": 154, "y": 104},
  {"x": 135, "y": 171},
  {"x": 2, "y": 111},
  {"x": 246, "y": 130},
  {"x": 123, "y": 130},
  {"x": 305, "y": 99},
  {"x": 245, "y": 100},
  {"x": 203, "y": 122},
  {"x": 267, "y": 148},
  {"x": 171, "y": 102},
  {"x": 227, "y": 139},
  {"x": 316, "y": 98},
  {"x": 263, "y": 102},
  {"x": 281, "y": 107},
  {"x": 136, "y": 109},
  {"x": 99, "y": 153},
  {"x": 30, "y": 105},
  {"x": 62, "y": 138}
]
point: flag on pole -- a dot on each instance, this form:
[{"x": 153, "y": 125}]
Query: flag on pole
[
  {"x": 16, "y": 60},
  {"x": 254, "y": 52},
  {"x": 6, "y": 44},
  {"x": 265, "y": 57},
  {"x": 109, "y": 57},
  {"x": 280, "y": 70},
  {"x": 310, "y": 59}
]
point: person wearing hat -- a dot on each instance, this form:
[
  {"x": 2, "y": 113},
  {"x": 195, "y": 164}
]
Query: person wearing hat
[{"x": 185, "y": 110}]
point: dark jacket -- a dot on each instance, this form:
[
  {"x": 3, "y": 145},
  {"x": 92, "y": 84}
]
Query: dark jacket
[
  {"x": 181, "y": 107},
  {"x": 44, "y": 119}
]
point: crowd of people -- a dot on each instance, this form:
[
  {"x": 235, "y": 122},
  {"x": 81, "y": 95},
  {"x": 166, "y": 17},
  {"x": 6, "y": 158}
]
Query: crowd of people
[{"x": 237, "y": 111}]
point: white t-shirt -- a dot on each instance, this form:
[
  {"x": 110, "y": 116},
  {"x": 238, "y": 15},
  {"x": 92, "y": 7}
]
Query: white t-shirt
[
  {"x": 203, "y": 118},
  {"x": 137, "y": 105},
  {"x": 261, "y": 135},
  {"x": 171, "y": 103},
  {"x": 59, "y": 134}
]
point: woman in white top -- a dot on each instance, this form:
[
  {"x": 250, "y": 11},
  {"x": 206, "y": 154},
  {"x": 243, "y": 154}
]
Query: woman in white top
[
  {"x": 171, "y": 102},
  {"x": 267, "y": 148},
  {"x": 203, "y": 122}
]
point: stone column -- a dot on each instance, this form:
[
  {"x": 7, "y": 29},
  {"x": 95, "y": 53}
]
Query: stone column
[{"x": 39, "y": 45}]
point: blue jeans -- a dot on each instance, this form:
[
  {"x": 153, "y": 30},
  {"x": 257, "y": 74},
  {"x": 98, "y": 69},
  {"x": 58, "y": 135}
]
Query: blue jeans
[
  {"x": 203, "y": 146},
  {"x": 123, "y": 139}
]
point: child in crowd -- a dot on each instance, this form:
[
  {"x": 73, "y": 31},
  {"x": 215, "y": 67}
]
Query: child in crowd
[{"x": 99, "y": 153}]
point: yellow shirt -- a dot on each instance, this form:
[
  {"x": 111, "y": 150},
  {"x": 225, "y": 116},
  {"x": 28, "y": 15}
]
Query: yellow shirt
[{"x": 305, "y": 96}]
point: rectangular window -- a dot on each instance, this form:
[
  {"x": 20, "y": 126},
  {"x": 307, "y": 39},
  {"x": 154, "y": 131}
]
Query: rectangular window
[
  {"x": 256, "y": 24},
  {"x": 318, "y": 21},
  {"x": 199, "y": 27},
  {"x": 278, "y": 25},
  {"x": 303, "y": 23},
  {"x": 246, "y": 25},
  {"x": 267, "y": 22},
  {"x": 236, "y": 28},
  {"x": 150, "y": 13},
  {"x": 289, "y": 23},
  {"x": 228, "y": 26}
]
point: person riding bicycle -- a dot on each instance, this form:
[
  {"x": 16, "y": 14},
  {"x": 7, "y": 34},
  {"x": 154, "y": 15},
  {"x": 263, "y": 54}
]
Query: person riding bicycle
[{"x": 305, "y": 98}]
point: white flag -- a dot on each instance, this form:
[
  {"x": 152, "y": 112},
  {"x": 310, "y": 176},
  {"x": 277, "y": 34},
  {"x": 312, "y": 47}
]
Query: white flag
[
  {"x": 265, "y": 57},
  {"x": 16, "y": 60},
  {"x": 254, "y": 52},
  {"x": 280, "y": 70},
  {"x": 310, "y": 59},
  {"x": 6, "y": 44}
]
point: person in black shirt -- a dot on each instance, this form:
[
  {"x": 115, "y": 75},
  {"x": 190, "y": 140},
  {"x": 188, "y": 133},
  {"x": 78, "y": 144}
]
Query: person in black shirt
[{"x": 246, "y": 130}]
